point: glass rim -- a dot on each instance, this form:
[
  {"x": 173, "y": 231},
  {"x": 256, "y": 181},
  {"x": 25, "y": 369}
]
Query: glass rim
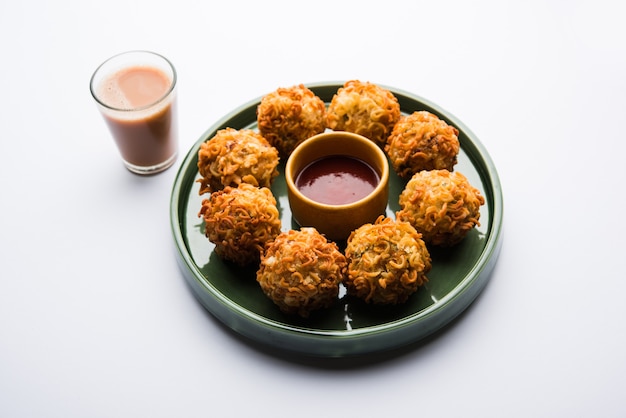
[{"x": 169, "y": 91}]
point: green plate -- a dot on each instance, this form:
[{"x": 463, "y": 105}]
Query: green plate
[{"x": 351, "y": 328}]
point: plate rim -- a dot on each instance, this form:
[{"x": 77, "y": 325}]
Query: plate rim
[{"x": 329, "y": 342}]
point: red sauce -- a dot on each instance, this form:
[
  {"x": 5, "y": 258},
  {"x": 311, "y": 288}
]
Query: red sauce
[{"x": 337, "y": 180}]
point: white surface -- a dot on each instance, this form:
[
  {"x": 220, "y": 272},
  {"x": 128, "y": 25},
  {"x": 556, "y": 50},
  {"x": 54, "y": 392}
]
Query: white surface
[{"x": 95, "y": 317}]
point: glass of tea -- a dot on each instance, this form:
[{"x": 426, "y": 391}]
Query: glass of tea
[{"x": 135, "y": 92}]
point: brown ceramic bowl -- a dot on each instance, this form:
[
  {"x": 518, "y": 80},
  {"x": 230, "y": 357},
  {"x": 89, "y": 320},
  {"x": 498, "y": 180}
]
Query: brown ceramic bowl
[{"x": 337, "y": 220}]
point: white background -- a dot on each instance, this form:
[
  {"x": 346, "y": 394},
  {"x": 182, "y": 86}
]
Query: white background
[{"x": 95, "y": 317}]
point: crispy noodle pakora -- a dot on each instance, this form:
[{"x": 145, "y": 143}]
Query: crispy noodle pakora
[
  {"x": 301, "y": 271},
  {"x": 239, "y": 221},
  {"x": 422, "y": 141},
  {"x": 236, "y": 156},
  {"x": 442, "y": 205},
  {"x": 364, "y": 108},
  {"x": 288, "y": 116},
  {"x": 387, "y": 262}
]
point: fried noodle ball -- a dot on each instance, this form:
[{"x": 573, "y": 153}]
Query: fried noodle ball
[
  {"x": 422, "y": 141},
  {"x": 365, "y": 109},
  {"x": 288, "y": 116},
  {"x": 236, "y": 156},
  {"x": 442, "y": 205},
  {"x": 301, "y": 270},
  {"x": 239, "y": 221},
  {"x": 387, "y": 262}
]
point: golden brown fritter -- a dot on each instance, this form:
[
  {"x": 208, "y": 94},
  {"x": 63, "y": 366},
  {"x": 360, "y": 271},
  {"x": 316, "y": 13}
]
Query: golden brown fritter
[
  {"x": 288, "y": 116},
  {"x": 301, "y": 270},
  {"x": 365, "y": 109},
  {"x": 387, "y": 262},
  {"x": 422, "y": 141},
  {"x": 442, "y": 205},
  {"x": 236, "y": 156},
  {"x": 239, "y": 221}
]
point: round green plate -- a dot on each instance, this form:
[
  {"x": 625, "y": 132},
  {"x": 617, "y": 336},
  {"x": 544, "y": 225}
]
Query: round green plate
[{"x": 351, "y": 327}]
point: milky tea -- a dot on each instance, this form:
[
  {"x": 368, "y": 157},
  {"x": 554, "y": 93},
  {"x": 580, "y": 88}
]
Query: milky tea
[{"x": 135, "y": 93}]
